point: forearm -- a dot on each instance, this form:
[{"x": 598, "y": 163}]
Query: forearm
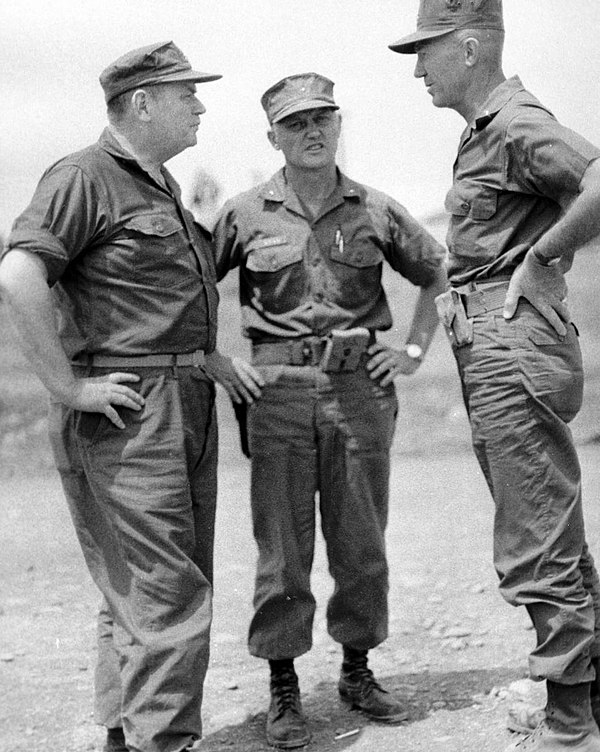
[
  {"x": 29, "y": 303},
  {"x": 425, "y": 317},
  {"x": 580, "y": 223}
]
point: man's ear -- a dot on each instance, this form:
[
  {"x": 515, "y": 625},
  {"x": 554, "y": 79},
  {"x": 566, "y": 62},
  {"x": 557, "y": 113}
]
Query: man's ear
[
  {"x": 139, "y": 104},
  {"x": 273, "y": 139},
  {"x": 471, "y": 51}
]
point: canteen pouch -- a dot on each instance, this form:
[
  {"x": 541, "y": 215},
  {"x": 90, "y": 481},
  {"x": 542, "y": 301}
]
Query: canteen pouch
[
  {"x": 452, "y": 314},
  {"x": 343, "y": 349}
]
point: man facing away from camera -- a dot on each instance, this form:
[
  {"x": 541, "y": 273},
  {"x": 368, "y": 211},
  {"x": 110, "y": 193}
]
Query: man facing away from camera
[
  {"x": 310, "y": 246},
  {"x": 525, "y": 197},
  {"x": 107, "y": 245}
]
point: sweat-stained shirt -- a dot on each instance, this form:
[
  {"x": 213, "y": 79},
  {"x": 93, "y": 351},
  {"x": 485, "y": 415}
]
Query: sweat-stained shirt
[
  {"x": 516, "y": 164},
  {"x": 303, "y": 276},
  {"x": 131, "y": 271}
]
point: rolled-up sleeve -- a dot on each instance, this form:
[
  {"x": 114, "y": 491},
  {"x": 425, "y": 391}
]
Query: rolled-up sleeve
[
  {"x": 545, "y": 156},
  {"x": 65, "y": 215}
]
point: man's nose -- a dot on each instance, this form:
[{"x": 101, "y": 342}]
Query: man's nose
[
  {"x": 419, "y": 70},
  {"x": 200, "y": 109}
]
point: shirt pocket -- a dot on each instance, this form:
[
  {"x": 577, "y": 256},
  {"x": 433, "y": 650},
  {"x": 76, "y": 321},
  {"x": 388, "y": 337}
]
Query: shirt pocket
[
  {"x": 479, "y": 207},
  {"x": 157, "y": 240},
  {"x": 268, "y": 255},
  {"x": 472, "y": 232},
  {"x": 358, "y": 252}
]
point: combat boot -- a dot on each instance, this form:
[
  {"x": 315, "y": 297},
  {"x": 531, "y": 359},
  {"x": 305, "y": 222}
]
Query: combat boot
[
  {"x": 359, "y": 689},
  {"x": 115, "y": 740},
  {"x": 568, "y": 725},
  {"x": 286, "y": 724}
]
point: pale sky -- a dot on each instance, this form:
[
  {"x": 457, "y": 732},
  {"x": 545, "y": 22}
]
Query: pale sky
[{"x": 52, "y": 51}]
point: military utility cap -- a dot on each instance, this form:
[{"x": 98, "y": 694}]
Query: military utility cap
[
  {"x": 304, "y": 91},
  {"x": 160, "y": 63},
  {"x": 437, "y": 18}
]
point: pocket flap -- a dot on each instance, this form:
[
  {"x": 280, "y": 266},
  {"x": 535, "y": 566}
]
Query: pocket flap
[
  {"x": 154, "y": 224},
  {"x": 481, "y": 206},
  {"x": 271, "y": 254}
]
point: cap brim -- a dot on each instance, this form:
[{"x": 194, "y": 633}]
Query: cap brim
[
  {"x": 302, "y": 106},
  {"x": 406, "y": 45},
  {"x": 172, "y": 78},
  {"x": 190, "y": 75}
]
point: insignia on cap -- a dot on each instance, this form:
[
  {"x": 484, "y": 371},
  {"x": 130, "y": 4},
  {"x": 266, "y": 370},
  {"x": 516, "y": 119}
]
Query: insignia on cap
[
  {"x": 476, "y": 4},
  {"x": 454, "y": 4}
]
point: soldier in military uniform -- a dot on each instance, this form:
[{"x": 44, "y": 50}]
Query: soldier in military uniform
[
  {"x": 107, "y": 243},
  {"x": 525, "y": 197},
  {"x": 310, "y": 246}
]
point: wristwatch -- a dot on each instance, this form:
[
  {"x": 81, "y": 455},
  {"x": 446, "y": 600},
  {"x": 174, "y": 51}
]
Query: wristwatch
[
  {"x": 414, "y": 352},
  {"x": 544, "y": 260}
]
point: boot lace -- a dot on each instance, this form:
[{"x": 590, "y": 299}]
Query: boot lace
[
  {"x": 530, "y": 741},
  {"x": 360, "y": 673},
  {"x": 285, "y": 693}
]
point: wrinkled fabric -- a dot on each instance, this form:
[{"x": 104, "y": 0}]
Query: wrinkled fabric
[
  {"x": 312, "y": 432},
  {"x": 142, "y": 500},
  {"x": 522, "y": 385},
  {"x": 301, "y": 275},
  {"x": 516, "y": 166},
  {"x": 131, "y": 272}
]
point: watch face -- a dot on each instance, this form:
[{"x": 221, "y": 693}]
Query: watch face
[{"x": 414, "y": 352}]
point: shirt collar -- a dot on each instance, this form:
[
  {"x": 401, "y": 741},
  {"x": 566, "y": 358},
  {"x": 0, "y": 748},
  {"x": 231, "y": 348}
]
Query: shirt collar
[
  {"x": 109, "y": 143},
  {"x": 278, "y": 189},
  {"x": 499, "y": 97}
]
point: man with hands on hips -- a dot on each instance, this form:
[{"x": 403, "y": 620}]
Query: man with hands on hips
[
  {"x": 112, "y": 290},
  {"x": 310, "y": 246}
]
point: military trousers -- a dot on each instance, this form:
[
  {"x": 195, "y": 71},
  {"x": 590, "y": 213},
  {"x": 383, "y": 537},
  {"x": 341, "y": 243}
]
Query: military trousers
[
  {"x": 326, "y": 437},
  {"x": 522, "y": 384},
  {"x": 142, "y": 500}
]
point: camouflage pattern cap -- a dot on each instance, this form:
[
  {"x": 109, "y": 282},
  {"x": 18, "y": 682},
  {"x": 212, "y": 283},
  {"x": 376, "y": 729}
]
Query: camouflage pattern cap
[
  {"x": 304, "y": 91},
  {"x": 439, "y": 17},
  {"x": 159, "y": 63}
]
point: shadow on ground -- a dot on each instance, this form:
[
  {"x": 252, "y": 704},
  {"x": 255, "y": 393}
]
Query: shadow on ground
[{"x": 422, "y": 694}]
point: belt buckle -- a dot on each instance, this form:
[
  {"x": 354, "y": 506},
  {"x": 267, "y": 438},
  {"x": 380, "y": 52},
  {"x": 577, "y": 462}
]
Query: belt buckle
[{"x": 198, "y": 358}]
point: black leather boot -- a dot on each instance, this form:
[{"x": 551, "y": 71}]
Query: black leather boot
[
  {"x": 359, "y": 688},
  {"x": 286, "y": 724}
]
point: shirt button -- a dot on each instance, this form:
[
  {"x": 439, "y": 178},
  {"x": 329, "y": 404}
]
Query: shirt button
[
  {"x": 158, "y": 226},
  {"x": 465, "y": 206}
]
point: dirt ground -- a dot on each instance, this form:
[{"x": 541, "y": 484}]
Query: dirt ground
[
  {"x": 456, "y": 653},
  {"x": 454, "y": 647}
]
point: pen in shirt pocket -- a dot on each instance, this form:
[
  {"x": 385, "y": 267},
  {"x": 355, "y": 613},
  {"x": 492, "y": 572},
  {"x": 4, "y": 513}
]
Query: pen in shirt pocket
[{"x": 339, "y": 239}]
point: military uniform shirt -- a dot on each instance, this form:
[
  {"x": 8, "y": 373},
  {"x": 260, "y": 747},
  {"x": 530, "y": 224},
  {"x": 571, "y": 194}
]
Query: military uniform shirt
[
  {"x": 132, "y": 273},
  {"x": 515, "y": 166},
  {"x": 301, "y": 276}
]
